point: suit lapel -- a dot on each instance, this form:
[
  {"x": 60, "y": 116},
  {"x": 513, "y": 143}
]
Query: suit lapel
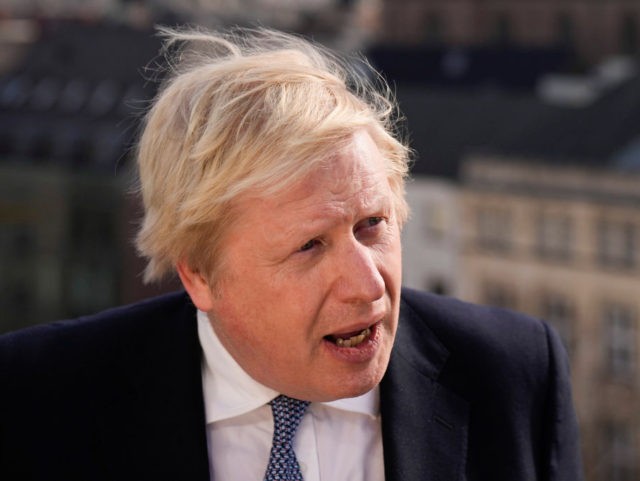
[{"x": 424, "y": 425}]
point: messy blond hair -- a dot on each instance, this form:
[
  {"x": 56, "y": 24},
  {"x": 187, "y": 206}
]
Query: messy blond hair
[{"x": 249, "y": 109}]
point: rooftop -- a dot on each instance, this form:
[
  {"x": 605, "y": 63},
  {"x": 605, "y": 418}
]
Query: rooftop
[{"x": 445, "y": 126}]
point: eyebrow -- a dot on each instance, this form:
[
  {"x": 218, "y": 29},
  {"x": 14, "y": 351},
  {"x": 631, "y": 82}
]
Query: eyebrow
[{"x": 317, "y": 222}]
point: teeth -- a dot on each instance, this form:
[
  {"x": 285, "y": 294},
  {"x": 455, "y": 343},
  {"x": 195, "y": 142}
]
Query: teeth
[{"x": 354, "y": 340}]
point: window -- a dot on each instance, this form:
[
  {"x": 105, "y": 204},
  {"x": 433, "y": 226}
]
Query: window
[
  {"x": 619, "y": 454},
  {"x": 45, "y": 94},
  {"x": 18, "y": 250},
  {"x": 502, "y": 32},
  {"x": 17, "y": 304},
  {"x": 92, "y": 257},
  {"x": 73, "y": 96},
  {"x": 433, "y": 28},
  {"x": 621, "y": 340},
  {"x": 558, "y": 310},
  {"x": 16, "y": 92},
  {"x": 629, "y": 35},
  {"x": 565, "y": 31},
  {"x": 103, "y": 98},
  {"x": 437, "y": 286},
  {"x": 617, "y": 242},
  {"x": 435, "y": 221},
  {"x": 499, "y": 295},
  {"x": 554, "y": 236},
  {"x": 494, "y": 229}
]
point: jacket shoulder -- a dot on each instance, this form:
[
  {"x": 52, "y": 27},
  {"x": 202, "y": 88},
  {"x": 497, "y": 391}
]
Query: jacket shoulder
[
  {"x": 512, "y": 373},
  {"x": 83, "y": 397},
  {"x": 487, "y": 343},
  {"x": 466, "y": 322},
  {"x": 90, "y": 336}
]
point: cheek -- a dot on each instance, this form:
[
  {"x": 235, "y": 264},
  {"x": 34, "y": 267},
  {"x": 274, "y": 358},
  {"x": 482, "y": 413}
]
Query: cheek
[
  {"x": 248, "y": 339},
  {"x": 267, "y": 310},
  {"x": 235, "y": 313},
  {"x": 258, "y": 318},
  {"x": 389, "y": 257}
]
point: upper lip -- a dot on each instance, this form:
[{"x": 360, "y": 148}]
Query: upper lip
[{"x": 355, "y": 328}]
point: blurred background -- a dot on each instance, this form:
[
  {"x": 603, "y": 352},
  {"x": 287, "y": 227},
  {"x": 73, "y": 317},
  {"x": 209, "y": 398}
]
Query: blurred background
[{"x": 525, "y": 120}]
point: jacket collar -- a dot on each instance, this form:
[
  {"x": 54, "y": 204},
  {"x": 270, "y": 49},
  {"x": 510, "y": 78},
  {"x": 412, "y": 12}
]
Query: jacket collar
[{"x": 424, "y": 424}]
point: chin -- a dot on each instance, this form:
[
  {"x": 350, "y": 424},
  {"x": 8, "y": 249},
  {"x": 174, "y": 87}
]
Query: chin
[{"x": 349, "y": 389}]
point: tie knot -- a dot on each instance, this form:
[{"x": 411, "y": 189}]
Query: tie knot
[{"x": 287, "y": 413}]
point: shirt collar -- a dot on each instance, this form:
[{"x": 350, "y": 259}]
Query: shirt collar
[{"x": 229, "y": 391}]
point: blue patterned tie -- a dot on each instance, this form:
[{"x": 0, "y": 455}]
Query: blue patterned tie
[{"x": 283, "y": 465}]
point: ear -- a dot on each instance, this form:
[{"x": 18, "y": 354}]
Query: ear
[{"x": 196, "y": 285}]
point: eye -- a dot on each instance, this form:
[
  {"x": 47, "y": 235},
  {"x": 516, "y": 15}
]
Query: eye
[
  {"x": 369, "y": 228},
  {"x": 369, "y": 222},
  {"x": 308, "y": 245}
]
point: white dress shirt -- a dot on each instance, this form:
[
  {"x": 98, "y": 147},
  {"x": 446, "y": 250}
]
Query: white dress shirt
[{"x": 336, "y": 441}]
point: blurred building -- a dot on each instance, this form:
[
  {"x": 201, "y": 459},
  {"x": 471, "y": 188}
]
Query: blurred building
[
  {"x": 593, "y": 30},
  {"x": 533, "y": 203},
  {"x": 16, "y": 37},
  {"x": 68, "y": 113},
  {"x": 445, "y": 127},
  {"x": 342, "y": 24},
  {"x": 431, "y": 237},
  {"x": 563, "y": 243}
]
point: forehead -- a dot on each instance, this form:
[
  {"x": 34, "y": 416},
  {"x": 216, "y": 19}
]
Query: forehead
[
  {"x": 351, "y": 180},
  {"x": 356, "y": 172},
  {"x": 357, "y": 167}
]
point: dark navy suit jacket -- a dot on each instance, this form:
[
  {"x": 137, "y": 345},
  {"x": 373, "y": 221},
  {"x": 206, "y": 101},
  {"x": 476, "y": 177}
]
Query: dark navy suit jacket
[{"x": 471, "y": 393}]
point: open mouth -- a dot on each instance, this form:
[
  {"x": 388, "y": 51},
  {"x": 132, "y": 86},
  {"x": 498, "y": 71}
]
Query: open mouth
[{"x": 351, "y": 339}]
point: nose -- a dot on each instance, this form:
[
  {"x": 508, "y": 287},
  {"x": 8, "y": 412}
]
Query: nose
[{"x": 359, "y": 279}]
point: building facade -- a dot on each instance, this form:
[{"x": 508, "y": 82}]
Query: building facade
[
  {"x": 563, "y": 244},
  {"x": 341, "y": 24},
  {"x": 572, "y": 24},
  {"x": 430, "y": 239},
  {"x": 68, "y": 113},
  {"x": 59, "y": 243}
]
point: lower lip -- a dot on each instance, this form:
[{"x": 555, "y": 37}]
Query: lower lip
[{"x": 363, "y": 352}]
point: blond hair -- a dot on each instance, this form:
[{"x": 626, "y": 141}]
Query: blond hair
[{"x": 246, "y": 110}]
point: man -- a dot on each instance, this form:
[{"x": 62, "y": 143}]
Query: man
[{"x": 273, "y": 186}]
